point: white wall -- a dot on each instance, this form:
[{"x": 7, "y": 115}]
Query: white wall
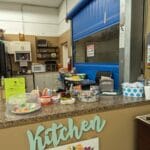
[
  {"x": 41, "y": 20},
  {"x": 32, "y": 20},
  {"x": 35, "y": 20},
  {"x": 65, "y": 7},
  {"x": 11, "y": 18}
]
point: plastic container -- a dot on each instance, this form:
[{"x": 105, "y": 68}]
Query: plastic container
[
  {"x": 55, "y": 99},
  {"x": 88, "y": 96},
  {"x": 45, "y": 100},
  {"x": 23, "y": 104}
]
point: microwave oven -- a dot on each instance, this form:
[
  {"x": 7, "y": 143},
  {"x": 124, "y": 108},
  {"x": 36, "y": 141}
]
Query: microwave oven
[
  {"x": 22, "y": 56},
  {"x": 38, "y": 68}
]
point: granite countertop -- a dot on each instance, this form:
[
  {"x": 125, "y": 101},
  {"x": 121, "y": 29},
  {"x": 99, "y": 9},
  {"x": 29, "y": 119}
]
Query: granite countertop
[{"x": 59, "y": 111}]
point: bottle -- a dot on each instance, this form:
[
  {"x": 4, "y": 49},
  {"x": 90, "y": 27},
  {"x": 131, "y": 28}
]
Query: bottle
[
  {"x": 71, "y": 89},
  {"x": 49, "y": 92},
  {"x": 141, "y": 79},
  {"x": 69, "y": 64}
]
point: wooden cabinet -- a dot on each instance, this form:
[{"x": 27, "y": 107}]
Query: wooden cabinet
[
  {"x": 46, "y": 80},
  {"x": 17, "y": 46},
  {"x": 20, "y": 46},
  {"x": 143, "y": 134}
]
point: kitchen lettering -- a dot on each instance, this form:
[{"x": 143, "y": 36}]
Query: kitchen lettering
[{"x": 59, "y": 132}]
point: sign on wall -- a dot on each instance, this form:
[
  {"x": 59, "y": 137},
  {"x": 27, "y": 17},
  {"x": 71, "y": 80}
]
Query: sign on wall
[
  {"x": 90, "y": 50},
  {"x": 58, "y": 132}
]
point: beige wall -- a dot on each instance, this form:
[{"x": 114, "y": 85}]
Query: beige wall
[
  {"x": 147, "y": 30},
  {"x": 32, "y": 38},
  {"x": 65, "y": 38},
  {"x": 118, "y": 134},
  {"x": 54, "y": 41}
]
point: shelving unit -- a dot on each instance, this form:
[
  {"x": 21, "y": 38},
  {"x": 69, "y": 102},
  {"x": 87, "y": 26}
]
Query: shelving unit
[{"x": 48, "y": 55}]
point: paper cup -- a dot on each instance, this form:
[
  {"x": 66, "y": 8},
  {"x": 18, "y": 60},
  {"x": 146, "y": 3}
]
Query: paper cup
[{"x": 147, "y": 92}]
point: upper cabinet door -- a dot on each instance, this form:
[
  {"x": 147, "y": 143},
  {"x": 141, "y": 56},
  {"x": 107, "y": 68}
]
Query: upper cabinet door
[
  {"x": 19, "y": 46},
  {"x": 112, "y": 12},
  {"x": 26, "y": 46}
]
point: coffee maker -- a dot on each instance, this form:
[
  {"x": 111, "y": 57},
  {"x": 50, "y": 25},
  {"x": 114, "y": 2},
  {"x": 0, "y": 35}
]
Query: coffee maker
[{"x": 23, "y": 67}]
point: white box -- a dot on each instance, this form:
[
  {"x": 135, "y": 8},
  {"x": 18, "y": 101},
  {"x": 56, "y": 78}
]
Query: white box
[{"x": 147, "y": 92}]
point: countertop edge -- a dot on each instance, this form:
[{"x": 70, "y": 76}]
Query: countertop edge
[{"x": 51, "y": 117}]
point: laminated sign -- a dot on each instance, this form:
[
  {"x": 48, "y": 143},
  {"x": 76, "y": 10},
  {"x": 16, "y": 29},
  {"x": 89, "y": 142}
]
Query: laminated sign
[
  {"x": 14, "y": 86},
  {"x": 90, "y": 50}
]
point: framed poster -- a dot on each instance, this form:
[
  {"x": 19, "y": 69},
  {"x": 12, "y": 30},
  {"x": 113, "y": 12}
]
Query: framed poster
[
  {"x": 90, "y": 50},
  {"x": 91, "y": 144}
]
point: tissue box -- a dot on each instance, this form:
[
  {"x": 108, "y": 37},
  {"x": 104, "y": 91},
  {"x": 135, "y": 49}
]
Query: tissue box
[{"x": 133, "y": 89}]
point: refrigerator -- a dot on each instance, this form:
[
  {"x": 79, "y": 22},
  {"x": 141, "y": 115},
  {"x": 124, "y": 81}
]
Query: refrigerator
[{"x": 3, "y": 60}]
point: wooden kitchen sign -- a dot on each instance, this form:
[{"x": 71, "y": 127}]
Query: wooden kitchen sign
[{"x": 44, "y": 137}]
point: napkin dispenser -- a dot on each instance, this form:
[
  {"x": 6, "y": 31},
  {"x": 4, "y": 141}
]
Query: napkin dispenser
[{"x": 106, "y": 85}]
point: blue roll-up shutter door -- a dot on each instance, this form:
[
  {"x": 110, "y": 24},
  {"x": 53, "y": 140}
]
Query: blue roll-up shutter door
[
  {"x": 91, "y": 16},
  {"x": 96, "y": 15},
  {"x": 112, "y": 12},
  {"x": 89, "y": 20}
]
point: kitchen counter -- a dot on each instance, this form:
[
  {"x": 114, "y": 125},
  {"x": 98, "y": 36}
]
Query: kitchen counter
[{"x": 59, "y": 111}]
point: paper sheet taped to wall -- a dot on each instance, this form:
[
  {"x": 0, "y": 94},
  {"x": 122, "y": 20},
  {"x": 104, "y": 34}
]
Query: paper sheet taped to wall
[
  {"x": 14, "y": 86},
  {"x": 90, "y": 50}
]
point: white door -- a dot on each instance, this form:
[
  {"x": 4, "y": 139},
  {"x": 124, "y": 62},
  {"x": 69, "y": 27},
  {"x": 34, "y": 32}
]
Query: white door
[{"x": 65, "y": 54}]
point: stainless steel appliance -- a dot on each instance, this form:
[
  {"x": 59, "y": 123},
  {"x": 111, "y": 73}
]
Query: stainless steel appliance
[
  {"x": 5, "y": 61},
  {"x": 51, "y": 65}
]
